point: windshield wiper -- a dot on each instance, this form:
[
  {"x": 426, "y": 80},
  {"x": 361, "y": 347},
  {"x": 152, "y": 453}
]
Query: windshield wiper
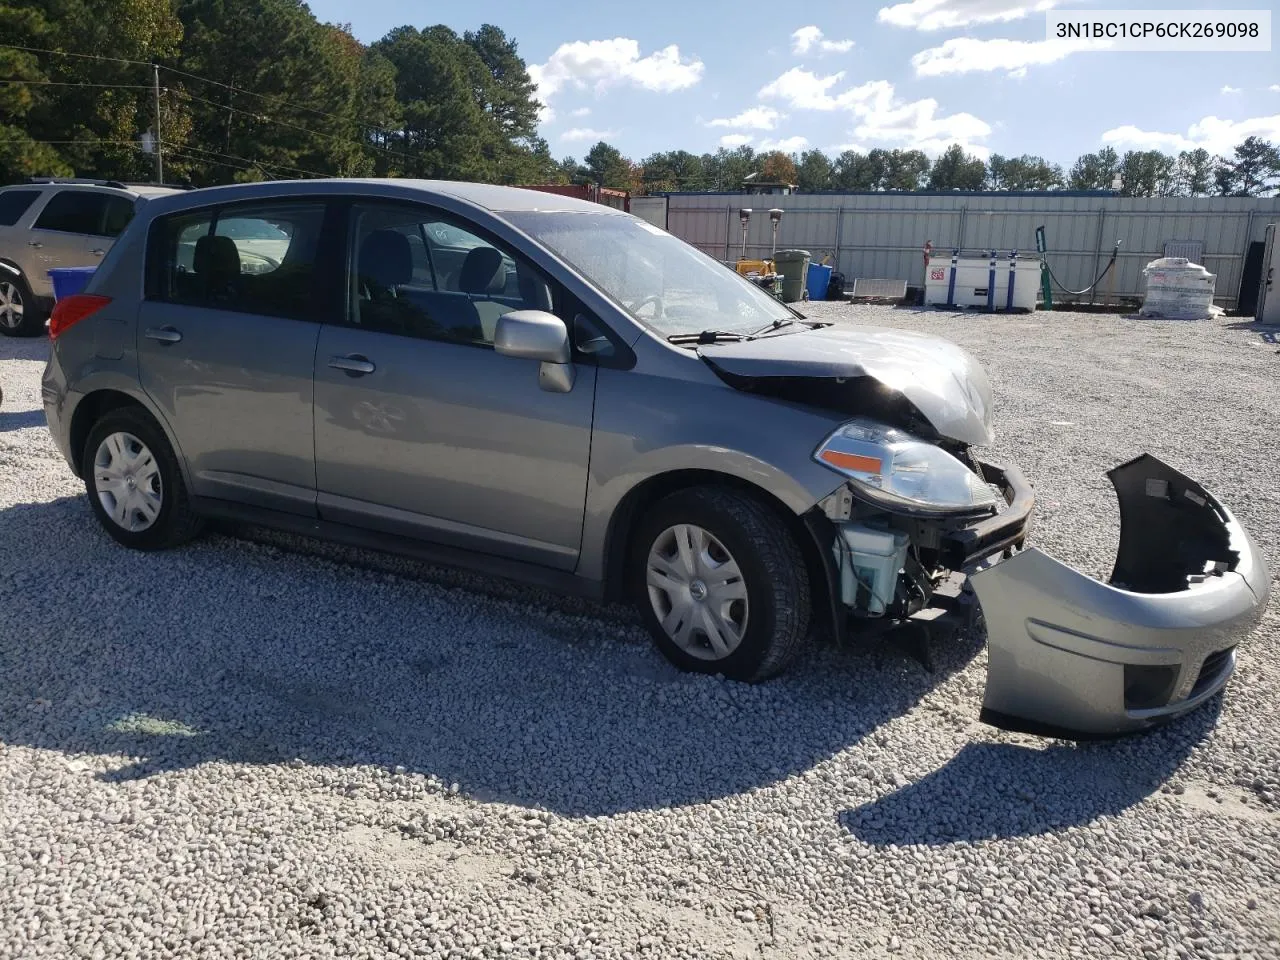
[
  {"x": 772, "y": 325},
  {"x": 707, "y": 336}
]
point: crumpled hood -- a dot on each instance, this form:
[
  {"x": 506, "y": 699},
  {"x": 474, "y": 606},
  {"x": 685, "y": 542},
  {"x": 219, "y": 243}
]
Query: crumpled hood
[{"x": 939, "y": 379}]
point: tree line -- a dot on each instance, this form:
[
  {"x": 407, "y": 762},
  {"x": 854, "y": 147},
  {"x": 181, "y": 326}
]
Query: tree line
[
  {"x": 260, "y": 89},
  {"x": 257, "y": 89},
  {"x": 1252, "y": 169}
]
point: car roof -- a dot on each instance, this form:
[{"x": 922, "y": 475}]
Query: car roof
[{"x": 497, "y": 199}]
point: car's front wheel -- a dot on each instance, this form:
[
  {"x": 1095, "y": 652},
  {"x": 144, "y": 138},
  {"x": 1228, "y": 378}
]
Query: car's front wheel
[
  {"x": 721, "y": 584},
  {"x": 134, "y": 483},
  {"x": 20, "y": 314}
]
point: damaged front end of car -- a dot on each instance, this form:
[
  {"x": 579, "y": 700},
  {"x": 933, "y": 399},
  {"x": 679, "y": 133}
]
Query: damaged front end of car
[{"x": 1068, "y": 655}]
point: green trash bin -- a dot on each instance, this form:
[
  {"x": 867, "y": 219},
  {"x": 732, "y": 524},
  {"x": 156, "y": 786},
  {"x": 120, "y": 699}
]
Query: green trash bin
[{"x": 792, "y": 265}]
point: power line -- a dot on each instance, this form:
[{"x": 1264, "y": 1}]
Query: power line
[
  {"x": 193, "y": 76},
  {"x": 363, "y": 144},
  {"x": 256, "y": 163},
  {"x": 66, "y": 83},
  {"x": 296, "y": 126},
  {"x": 82, "y": 56}
]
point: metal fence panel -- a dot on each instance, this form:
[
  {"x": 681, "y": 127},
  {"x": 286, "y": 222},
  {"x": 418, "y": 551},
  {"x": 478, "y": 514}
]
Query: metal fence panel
[{"x": 881, "y": 235}]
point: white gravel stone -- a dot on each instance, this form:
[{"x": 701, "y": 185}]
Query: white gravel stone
[{"x": 263, "y": 746}]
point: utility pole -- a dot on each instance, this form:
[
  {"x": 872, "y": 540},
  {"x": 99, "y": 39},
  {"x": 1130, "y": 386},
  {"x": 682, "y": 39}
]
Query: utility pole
[{"x": 155, "y": 83}]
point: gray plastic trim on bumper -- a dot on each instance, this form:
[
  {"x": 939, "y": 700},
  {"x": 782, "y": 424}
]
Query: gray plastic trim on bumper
[{"x": 1063, "y": 647}]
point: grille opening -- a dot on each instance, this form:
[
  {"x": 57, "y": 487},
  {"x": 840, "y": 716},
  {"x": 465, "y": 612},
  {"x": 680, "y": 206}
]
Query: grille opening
[
  {"x": 1214, "y": 666},
  {"x": 1147, "y": 687}
]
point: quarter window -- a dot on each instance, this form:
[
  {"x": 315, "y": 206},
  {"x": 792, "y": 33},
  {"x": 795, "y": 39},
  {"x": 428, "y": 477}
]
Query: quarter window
[
  {"x": 421, "y": 274},
  {"x": 257, "y": 259},
  {"x": 73, "y": 211}
]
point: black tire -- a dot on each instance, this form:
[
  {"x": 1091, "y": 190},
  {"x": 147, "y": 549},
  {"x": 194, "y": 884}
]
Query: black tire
[
  {"x": 14, "y": 290},
  {"x": 772, "y": 570},
  {"x": 175, "y": 522}
]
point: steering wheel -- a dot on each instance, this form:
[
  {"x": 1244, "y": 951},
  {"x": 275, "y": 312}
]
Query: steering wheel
[{"x": 640, "y": 304}]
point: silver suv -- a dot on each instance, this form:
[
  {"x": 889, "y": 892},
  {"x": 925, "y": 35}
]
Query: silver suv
[
  {"x": 551, "y": 390},
  {"x": 50, "y": 223}
]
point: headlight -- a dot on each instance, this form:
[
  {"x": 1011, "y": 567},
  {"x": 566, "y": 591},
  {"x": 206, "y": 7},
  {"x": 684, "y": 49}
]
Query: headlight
[{"x": 896, "y": 469}]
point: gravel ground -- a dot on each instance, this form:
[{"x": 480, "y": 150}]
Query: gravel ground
[{"x": 252, "y": 748}]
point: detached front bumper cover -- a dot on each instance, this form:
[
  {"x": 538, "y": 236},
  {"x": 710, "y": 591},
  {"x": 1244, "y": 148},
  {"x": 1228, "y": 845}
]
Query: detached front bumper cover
[{"x": 1072, "y": 656}]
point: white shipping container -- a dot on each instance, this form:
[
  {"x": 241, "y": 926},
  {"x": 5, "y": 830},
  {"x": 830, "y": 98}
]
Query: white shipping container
[
  {"x": 1178, "y": 289},
  {"x": 973, "y": 276}
]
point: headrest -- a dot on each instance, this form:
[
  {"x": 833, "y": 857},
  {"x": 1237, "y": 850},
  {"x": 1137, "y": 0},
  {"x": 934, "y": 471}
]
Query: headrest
[
  {"x": 216, "y": 259},
  {"x": 480, "y": 271},
  {"x": 385, "y": 258}
]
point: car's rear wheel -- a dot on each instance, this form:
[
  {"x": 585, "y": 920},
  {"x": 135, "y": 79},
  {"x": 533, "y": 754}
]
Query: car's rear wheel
[
  {"x": 20, "y": 315},
  {"x": 134, "y": 483},
  {"x": 721, "y": 584}
]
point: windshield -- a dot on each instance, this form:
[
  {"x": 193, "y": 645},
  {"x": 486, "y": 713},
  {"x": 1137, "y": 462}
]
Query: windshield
[{"x": 663, "y": 282}]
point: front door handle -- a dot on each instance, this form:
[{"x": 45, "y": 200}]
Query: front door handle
[
  {"x": 35, "y": 243},
  {"x": 97, "y": 251},
  {"x": 354, "y": 364},
  {"x": 163, "y": 334}
]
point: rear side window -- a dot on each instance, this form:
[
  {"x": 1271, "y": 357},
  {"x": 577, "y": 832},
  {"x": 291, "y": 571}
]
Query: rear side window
[
  {"x": 73, "y": 211},
  {"x": 250, "y": 259},
  {"x": 14, "y": 203}
]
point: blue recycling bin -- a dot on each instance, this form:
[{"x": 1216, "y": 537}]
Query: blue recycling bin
[
  {"x": 818, "y": 279},
  {"x": 69, "y": 280}
]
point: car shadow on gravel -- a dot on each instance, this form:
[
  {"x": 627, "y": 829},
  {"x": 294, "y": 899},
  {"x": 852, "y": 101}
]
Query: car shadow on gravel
[
  {"x": 1000, "y": 790},
  {"x": 235, "y": 652},
  {"x": 20, "y": 420}
]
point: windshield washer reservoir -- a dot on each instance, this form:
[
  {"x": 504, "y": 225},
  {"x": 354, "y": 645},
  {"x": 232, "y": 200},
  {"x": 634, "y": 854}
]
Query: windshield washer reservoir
[{"x": 869, "y": 561}]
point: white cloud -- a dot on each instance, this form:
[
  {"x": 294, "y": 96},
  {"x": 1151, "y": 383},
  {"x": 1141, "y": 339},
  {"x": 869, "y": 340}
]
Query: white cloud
[
  {"x": 879, "y": 114},
  {"x": 545, "y": 113},
  {"x": 580, "y": 112},
  {"x": 805, "y": 90},
  {"x": 967, "y": 55},
  {"x": 787, "y": 145},
  {"x": 810, "y": 38},
  {"x": 605, "y": 63},
  {"x": 753, "y": 118},
  {"x": 950, "y": 14},
  {"x": 586, "y": 133},
  {"x": 1274, "y": 88},
  {"x": 1227, "y": 88},
  {"x": 731, "y": 140},
  {"x": 1212, "y": 133}
]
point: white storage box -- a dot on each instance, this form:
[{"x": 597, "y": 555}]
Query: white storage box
[
  {"x": 973, "y": 277},
  {"x": 1178, "y": 289}
]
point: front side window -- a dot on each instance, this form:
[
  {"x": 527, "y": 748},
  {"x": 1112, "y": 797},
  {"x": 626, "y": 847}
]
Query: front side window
[
  {"x": 250, "y": 259},
  {"x": 660, "y": 280},
  {"x": 422, "y": 274}
]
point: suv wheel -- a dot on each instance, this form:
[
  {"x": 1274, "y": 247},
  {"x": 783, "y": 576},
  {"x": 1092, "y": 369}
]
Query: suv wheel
[
  {"x": 20, "y": 316},
  {"x": 721, "y": 584},
  {"x": 134, "y": 484}
]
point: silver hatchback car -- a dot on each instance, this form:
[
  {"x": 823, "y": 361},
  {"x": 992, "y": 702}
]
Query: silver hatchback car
[{"x": 555, "y": 391}]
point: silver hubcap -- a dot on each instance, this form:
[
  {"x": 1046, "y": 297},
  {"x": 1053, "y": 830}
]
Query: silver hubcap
[
  {"x": 10, "y": 305},
  {"x": 127, "y": 479},
  {"x": 697, "y": 592}
]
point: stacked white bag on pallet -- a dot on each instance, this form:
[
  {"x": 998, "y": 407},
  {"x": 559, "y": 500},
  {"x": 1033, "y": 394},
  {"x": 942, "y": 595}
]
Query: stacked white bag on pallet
[{"x": 1178, "y": 289}]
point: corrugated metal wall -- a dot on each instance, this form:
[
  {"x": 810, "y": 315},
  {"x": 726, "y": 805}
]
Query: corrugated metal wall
[{"x": 881, "y": 235}]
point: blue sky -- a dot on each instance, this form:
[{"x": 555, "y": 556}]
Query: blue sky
[{"x": 671, "y": 74}]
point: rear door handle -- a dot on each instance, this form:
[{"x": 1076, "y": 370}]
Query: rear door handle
[
  {"x": 35, "y": 243},
  {"x": 97, "y": 251},
  {"x": 355, "y": 365},
  {"x": 163, "y": 334}
]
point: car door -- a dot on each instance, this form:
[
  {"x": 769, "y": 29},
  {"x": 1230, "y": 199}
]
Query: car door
[
  {"x": 226, "y": 346},
  {"x": 60, "y": 235},
  {"x": 421, "y": 428}
]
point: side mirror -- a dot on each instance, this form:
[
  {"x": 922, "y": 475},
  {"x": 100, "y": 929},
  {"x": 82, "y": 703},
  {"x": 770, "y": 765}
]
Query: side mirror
[
  {"x": 538, "y": 335},
  {"x": 532, "y": 335}
]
